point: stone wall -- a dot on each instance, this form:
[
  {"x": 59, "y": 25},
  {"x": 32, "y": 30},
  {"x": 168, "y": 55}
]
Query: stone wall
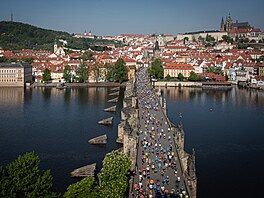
[
  {"x": 127, "y": 128},
  {"x": 177, "y": 84}
]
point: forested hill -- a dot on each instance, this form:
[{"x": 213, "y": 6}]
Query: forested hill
[{"x": 15, "y": 35}]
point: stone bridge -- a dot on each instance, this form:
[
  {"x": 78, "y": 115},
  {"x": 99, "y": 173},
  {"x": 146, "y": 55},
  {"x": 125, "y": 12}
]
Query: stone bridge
[{"x": 129, "y": 136}]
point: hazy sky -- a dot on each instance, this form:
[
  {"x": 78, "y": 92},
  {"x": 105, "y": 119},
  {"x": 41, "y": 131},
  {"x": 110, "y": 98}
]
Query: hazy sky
[{"x": 113, "y": 17}]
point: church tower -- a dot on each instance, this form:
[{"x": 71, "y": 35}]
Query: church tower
[
  {"x": 228, "y": 23},
  {"x": 12, "y": 17},
  {"x": 222, "y": 26}
]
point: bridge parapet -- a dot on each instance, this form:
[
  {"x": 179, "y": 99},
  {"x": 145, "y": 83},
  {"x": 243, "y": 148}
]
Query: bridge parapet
[{"x": 187, "y": 161}]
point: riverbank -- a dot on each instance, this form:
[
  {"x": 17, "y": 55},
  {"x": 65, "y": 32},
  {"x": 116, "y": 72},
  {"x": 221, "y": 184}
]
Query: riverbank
[
  {"x": 71, "y": 85},
  {"x": 177, "y": 84}
]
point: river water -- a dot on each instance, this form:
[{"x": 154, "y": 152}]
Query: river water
[
  {"x": 226, "y": 129},
  {"x": 56, "y": 124}
]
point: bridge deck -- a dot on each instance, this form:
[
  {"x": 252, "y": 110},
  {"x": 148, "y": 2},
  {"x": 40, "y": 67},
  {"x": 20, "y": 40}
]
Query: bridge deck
[{"x": 156, "y": 155}]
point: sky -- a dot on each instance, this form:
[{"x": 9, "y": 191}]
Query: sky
[{"x": 114, "y": 17}]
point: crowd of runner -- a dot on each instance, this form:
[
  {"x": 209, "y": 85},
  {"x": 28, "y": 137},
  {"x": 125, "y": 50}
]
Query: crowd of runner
[{"x": 157, "y": 170}]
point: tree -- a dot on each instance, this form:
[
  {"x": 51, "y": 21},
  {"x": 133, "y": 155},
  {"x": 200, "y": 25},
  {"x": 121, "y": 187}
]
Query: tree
[
  {"x": 193, "y": 76},
  {"x": 157, "y": 70},
  {"x": 83, "y": 73},
  {"x": 28, "y": 60},
  {"x": 227, "y": 39},
  {"x": 120, "y": 71},
  {"x": 185, "y": 39},
  {"x": 96, "y": 71},
  {"x": 168, "y": 77},
  {"x": 200, "y": 38},
  {"x": 180, "y": 77},
  {"x": 22, "y": 178},
  {"x": 87, "y": 187},
  {"x": 46, "y": 76},
  {"x": 109, "y": 71},
  {"x": 209, "y": 38},
  {"x": 113, "y": 178},
  {"x": 226, "y": 77},
  {"x": 67, "y": 73},
  {"x": 3, "y": 59},
  {"x": 215, "y": 70},
  {"x": 87, "y": 55},
  {"x": 12, "y": 60}
]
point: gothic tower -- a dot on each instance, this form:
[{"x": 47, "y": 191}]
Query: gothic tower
[
  {"x": 12, "y": 17},
  {"x": 222, "y": 26},
  {"x": 228, "y": 23}
]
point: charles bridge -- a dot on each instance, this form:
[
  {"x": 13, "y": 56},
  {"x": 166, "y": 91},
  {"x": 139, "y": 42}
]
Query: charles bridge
[{"x": 128, "y": 136}]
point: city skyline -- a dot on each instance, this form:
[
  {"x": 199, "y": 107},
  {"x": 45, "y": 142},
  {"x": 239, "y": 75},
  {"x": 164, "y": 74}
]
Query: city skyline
[{"x": 117, "y": 17}]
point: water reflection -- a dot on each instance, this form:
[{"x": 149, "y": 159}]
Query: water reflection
[
  {"x": 56, "y": 124},
  {"x": 237, "y": 96},
  {"x": 13, "y": 98}
]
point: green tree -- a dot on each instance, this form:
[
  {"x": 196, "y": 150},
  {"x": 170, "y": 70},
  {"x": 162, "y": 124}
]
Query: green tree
[
  {"x": 3, "y": 59},
  {"x": 87, "y": 187},
  {"x": 168, "y": 77},
  {"x": 227, "y": 39},
  {"x": 83, "y": 73},
  {"x": 11, "y": 60},
  {"x": 109, "y": 71},
  {"x": 200, "y": 38},
  {"x": 96, "y": 71},
  {"x": 193, "y": 76},
  {"x": 22, "y": 178},
  {"x": 209, "y": 38},
  {"x": 67, "y": 73},
  {"x": 87, "y": 55},
  {"x": 180, "y": 77},
  {"x": 120, "y": 71},
  {"x": 215, "y": 70},
  {"x": 226, "y": 77},
  {"x": 157, "y": 70},
  {"x": 113, "y": 178},
  {"x": 185, "y": 39},
  {"x": 46, "y": 76},
  {"x": 28, "y": 60}
]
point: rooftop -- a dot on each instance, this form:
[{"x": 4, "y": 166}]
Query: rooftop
[{"x": 14, "y": 65}]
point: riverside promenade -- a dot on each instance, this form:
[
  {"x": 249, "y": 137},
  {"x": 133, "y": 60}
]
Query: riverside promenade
[{"x": 159, "y": 171}]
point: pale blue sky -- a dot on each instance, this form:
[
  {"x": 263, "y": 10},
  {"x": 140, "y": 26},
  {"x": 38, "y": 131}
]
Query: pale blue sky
[{"x": 113, "y": 17}]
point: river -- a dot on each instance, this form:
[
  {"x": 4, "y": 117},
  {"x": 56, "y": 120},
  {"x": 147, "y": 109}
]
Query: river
[
  {"x": 225, "y": 128},
  {"x": 56, "y": 125}
]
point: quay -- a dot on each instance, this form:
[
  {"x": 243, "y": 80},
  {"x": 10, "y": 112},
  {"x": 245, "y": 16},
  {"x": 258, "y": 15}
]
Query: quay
[{"x": 161, "y": 167}]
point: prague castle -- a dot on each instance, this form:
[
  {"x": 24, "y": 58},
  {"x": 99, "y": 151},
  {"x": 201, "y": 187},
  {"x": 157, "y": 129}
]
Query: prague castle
[{"x": 231, "y": 25}]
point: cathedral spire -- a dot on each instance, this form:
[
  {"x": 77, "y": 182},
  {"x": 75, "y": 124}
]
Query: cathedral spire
[
  {"x": 222, "y": 26},
  {"x": 12, "y": 17}
]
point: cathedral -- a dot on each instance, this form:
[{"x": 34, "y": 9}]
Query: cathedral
[{"x": 231, "y": 25}]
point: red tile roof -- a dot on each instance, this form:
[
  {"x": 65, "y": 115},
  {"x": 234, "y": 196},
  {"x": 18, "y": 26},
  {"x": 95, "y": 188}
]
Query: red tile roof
[{"x": 179, "y": 66}]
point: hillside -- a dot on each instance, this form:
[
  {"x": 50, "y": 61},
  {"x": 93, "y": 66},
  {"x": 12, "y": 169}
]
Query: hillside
[{"x": 15, "y": 36}]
